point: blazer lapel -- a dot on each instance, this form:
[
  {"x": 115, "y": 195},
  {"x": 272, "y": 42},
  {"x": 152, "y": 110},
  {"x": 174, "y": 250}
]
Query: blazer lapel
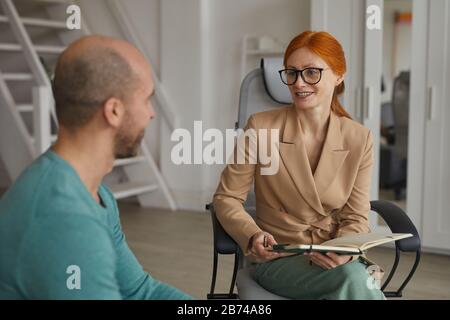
[
  {"x": 331, "y": 158},
  {"x": 295, "y": 159}
]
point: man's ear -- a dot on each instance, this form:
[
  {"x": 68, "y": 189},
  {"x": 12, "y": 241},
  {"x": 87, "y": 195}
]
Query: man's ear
[{"x": 114, "y": 112}]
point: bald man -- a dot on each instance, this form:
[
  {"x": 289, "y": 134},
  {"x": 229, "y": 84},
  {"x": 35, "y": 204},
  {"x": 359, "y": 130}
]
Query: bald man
[{"x": 60, "y": 234}]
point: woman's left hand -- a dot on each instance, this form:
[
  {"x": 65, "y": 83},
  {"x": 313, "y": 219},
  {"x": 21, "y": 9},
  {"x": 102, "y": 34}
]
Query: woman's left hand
[{"x": 329, "y": 261}]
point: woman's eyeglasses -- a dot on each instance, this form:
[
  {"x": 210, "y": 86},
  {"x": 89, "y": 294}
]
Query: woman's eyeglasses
[{"x": 309, "y": 75}]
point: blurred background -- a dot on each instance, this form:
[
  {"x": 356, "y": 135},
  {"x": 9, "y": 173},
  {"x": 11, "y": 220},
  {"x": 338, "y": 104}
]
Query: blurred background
[{"x": 397, "y": 84}]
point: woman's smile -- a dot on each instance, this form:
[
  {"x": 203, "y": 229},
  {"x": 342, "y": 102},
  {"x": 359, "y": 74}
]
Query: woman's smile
[{"x": 303, "y": 94}]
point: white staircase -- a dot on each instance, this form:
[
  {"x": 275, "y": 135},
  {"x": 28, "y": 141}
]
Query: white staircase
[{"x": 32, "y": 35}]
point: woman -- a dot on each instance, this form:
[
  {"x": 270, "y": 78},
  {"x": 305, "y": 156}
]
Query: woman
[{"x": 322, "y": 187}]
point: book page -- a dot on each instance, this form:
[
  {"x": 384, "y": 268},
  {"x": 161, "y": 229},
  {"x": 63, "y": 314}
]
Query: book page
[
  {"x": 365, "y": 241},
  {"x": 319, "y": 247},
  {"x": 302, "y": 248}
]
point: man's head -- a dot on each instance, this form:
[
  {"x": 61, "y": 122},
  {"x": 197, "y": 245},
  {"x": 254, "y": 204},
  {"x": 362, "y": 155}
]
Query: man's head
[{"x": 105, "y": 83}]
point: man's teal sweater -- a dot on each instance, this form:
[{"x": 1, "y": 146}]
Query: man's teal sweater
[{"x": 57, "y": 242}]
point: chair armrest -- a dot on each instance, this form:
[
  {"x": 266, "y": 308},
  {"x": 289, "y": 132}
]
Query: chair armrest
[
  {"x": 223, "y": 243},
  {"x": 399, "y": 222}
]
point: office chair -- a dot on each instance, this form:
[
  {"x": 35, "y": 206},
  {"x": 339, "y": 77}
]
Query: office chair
[
  {"x": 387, "y": 123},
  {"x": 393, "y": 157},
  {"x": 262, "y": 87}
]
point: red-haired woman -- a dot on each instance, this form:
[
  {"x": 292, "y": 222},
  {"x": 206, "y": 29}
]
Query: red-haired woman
[{"x": 321, "y": 190}]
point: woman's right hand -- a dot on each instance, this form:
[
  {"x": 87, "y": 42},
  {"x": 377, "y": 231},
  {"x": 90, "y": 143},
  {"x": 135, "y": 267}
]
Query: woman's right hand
[{"x": 260, "y": 252}]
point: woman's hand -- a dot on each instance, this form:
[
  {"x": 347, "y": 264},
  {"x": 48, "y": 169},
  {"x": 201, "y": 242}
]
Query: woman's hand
[
  {"x": 260, "y": 250},
  {"x": 329, "y": 261}
]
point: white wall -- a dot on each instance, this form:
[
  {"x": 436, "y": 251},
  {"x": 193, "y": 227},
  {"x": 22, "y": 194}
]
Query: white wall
[
  {"x": 181, "y": 76},
  {"x": 100, "y": 19},
  {"x": 200, "y": 69},
  {"x": 345, "y": 20},
  {"x": 230, "y": 21},
  {"x": 392, "y": 66},
  {"x": 195, "y": 49},
  {"x": 145, "y": 15}
]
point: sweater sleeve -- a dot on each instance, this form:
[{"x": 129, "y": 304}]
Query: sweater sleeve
[
  {"x": 136, "y": 284},
  {"x": 133, "y": 281},
  {"x": 235, "y": 183}
]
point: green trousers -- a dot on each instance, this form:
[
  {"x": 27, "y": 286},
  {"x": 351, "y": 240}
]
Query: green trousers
[{"x": 293, "y": 277}]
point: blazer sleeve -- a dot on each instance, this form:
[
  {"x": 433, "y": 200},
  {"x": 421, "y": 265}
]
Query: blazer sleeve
[
  {"x": 353, "y": 217},
  {"x": 235, "y": 183}
]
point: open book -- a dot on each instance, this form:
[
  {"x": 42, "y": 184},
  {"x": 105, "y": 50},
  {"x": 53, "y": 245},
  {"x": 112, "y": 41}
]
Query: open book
[{"x": 354, "y": 244}]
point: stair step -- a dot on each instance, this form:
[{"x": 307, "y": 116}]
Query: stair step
[
  {"x": 53, "y": 138},
  {"x": 128, "y": 161},
  {"x": 17, "y": 76},
  {"x": 35, "y": 22},
  {"x": 25, "y": 107},
  {"x": 129, "y": 189},
  {"x": 55, "y": 1},
  {"x": 38, "y": 48},
  {"x": 10, "y": 47},
  {"x": 49, "y": 49}
]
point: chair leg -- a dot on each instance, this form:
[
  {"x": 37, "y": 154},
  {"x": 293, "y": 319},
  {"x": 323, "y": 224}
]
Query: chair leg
[
  {"x": 235, "y": 270},
  {"x": 411, "y": 273},
  {"x": 214, "y": 275},
  {"x": 399, "y": 292},
  {"x": 222, "y": 296},
  {"x": 394, "y": 268}
]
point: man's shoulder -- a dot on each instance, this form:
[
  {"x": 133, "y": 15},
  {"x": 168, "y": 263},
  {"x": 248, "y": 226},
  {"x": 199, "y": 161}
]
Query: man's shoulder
[
  {"x": 47, "y": 188},
  {"x": 29, "y": 182}
]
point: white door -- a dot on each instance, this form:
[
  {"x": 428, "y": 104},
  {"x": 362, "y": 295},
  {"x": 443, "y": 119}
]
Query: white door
[
  {"x": 371, "y": 91},
  {"x": 436, "y": 201},
  {"x": 347, "y": 21},
  {"x": 344, "y": 19}
]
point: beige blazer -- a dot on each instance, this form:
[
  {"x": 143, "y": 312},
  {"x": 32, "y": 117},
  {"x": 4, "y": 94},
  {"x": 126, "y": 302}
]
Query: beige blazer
[{"x": 294, "y": 205}]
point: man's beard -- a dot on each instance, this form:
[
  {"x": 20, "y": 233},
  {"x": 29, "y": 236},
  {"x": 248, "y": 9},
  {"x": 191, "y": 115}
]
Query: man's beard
[{"x": 127, "y": 146}]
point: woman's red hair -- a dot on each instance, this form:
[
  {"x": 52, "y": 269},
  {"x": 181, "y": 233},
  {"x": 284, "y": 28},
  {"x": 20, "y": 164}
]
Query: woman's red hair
[{"x": 329, "y": 50}]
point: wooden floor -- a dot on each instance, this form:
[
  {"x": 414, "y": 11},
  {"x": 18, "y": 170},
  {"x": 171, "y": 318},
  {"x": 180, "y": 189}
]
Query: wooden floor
[{"x": 176, "y": 247}]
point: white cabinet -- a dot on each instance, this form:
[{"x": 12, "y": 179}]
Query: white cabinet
[
  {"x": 346, "y": 20},
  {"x": 340, "y": 18},
  {"x": 436, "y": 185},
  {"x": 428, "y": 186}
]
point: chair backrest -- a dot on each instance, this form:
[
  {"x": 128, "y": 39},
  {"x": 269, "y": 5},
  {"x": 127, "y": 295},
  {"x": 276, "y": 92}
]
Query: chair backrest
[
  {"x": 400, "y": 106},
  {"x": 387, "y": 115},
  {"x": 262, "y": 90}
]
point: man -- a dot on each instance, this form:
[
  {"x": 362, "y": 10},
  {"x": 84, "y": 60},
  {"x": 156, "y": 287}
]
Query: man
[{"x": 60, "y": 234}]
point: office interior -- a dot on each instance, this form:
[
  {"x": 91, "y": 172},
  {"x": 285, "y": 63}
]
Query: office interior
[{"x": 397, "y": 85}]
